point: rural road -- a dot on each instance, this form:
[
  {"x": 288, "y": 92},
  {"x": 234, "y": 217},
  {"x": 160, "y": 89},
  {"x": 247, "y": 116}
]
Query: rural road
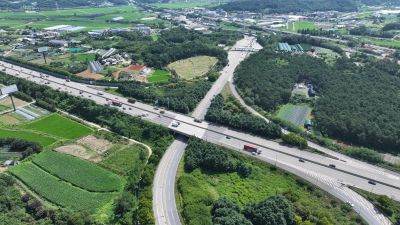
[{"x": 347, "y": 172}]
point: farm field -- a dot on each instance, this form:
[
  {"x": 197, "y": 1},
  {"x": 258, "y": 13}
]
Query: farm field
[
  {"x": 27, "y": 135},
  {"x": 199, "y": 188},
  {"x": 85, "y": 57},
  {"x": 159, "y": 76},
  {"x": 189, "y": 4},
  {"x": 295, "y": 114},
  {"x": 78, "y": 172},
  {"x": 58, "y": 191},
  {"x": 193, "y": 67},
  {"x": 91, "y": 18},
  {"x": 295, "y": 26},
  {"x": 60, "y": 126}
]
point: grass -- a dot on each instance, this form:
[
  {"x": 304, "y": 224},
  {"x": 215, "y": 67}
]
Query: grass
[
  {"x": 60, "y": 126},
  {"x": 85, "y": 57},
  {"x": 188, "y": 4},
  {"x": 57, "y": 191},
  {"x": 27, "y": 135},
  {"x": 125, "y": 159},
  {"x": 301, "y": 25},
  {"x": 193, "y": 67},
  {"x": 78, "y": 172},
  {"x": 198, "y": 189},
  {"x": 159, "y": 76},
  {"x": 295, "y": 114}
]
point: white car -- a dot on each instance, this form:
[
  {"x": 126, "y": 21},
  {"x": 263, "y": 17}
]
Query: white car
[
  {"x": 175, "y": 123},
  {"x": 350, "y": 204}
]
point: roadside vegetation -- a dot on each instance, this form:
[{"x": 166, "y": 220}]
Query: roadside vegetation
[{"x": 207, "y": 185}]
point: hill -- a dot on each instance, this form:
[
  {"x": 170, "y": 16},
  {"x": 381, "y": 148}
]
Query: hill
[{"x": 286, "y": 6}]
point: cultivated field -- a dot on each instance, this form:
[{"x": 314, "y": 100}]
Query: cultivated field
[
  {"x": 91, "y": 18},
  {"x": 78, "y": 172},
  {"x": 159, "y": 76},
  {"x": 295, "y": 26},
  {"x": 60, "y": 126},
  {"x": 193, "y": 67},
  {"x": 58, "y": 191},
  {"x": 27, "y": 135},
  {"x": 295, "y": 114}
]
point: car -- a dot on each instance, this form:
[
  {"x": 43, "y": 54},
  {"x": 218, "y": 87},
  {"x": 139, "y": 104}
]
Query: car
[
  {"x": 67, "y": 80},
  {"x": 89, "y": 96},
  {"x": 175, "y": 123},
  {"x": 332, "y": 165},
  {"x": 123, "y": 108},
  {"x": 100, "y": 93},
  {"x": 372, "y": 182},
  {"x": 227, "y": 137},
  {"x": 349, "y": 203},
  {"x": 254, "y": 153},
  {"x": 80, "y": 92},
  {"x": 197, "y": 120},
  {"x": 130, "y": 108},
  {"x": 301, "y": 160},
  {"x": 156, "y": 108},
  {"x": 4, "y": 69}
]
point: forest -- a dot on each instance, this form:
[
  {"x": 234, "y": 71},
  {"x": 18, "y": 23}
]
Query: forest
[
  {"x": 357, "y": 105},
  {"x": 223, "y": 111},
  {"x": 157, "y": 137},
  {"x": 286, "y": 6},
  {"x": 181, "y": 96}
]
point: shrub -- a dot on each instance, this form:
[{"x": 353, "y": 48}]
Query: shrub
[{"x": 295, "y": 140}]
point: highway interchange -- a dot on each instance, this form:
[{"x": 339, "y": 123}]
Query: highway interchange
[{"x": 348, "y": 172}]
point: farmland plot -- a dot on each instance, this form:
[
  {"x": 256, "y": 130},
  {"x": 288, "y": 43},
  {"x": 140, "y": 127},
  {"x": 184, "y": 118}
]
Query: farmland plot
[
  {"x": 57, "y": 191},
  {"x": 295, "y": 114},
  {"x": 78, "y": 172}
]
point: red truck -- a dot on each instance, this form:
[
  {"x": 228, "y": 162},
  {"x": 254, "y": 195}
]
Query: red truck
[
  {"x": 115, "y": 103},
  {"x": 252, "y": 149}
]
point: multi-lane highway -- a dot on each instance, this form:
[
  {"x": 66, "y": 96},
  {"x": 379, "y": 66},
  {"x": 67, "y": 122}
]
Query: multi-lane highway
[{"x": 348, "y": 171}]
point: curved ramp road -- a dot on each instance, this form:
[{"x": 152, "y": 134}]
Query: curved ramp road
[
  {"x": 164, "y": 204},
  {"x": 346, "y": 172}
]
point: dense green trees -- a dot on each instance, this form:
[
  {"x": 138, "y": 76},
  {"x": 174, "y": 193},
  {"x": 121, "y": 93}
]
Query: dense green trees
[
  {"x": 182, "y": 96},
  {"x": 225, "y": 212},
  {"x": 222, "y": 113},
  {"x": 295, "y": 140},
  {"x": 17, "y": 145},
  {"x": 48, "y": 4},
  {"x": 201, "y": 154},
  {"x": 355, "y": 104},
  {"x": 286, "y": 6}
]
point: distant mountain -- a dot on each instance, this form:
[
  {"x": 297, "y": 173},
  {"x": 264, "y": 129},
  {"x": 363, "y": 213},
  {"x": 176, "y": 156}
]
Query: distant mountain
[
  {"x": 380, "y": 2},
  {"x": 52, "y": 4},
  {"x": 286, "y": 6}
]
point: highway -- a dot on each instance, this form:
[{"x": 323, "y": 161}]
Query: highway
[{"x": 347, "y": 172}]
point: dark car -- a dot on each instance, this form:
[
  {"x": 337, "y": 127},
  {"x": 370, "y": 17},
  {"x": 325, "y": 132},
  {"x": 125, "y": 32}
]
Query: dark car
[
  {"x": 301, "y": 160},
  {"x": 372, "y": 182},
  {"x": 332, "y": 165}
]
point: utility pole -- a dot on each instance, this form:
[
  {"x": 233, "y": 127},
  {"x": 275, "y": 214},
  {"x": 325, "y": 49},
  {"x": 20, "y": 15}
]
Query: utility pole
[{"x": 12, "y": 101}]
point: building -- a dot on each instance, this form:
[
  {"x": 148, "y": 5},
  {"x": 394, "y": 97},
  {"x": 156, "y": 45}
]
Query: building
[
  {"x": 10, "y": 163},
  {"x": 285, "y": 47},
  {"x": 60, "y": 43},
  {"x": 95, "y": 66}
]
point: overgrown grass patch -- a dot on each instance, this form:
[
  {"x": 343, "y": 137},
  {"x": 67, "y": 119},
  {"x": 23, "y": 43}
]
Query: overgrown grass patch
[
  {"x": 159, "y": 76},
  {"x": 27, "y": 135}
]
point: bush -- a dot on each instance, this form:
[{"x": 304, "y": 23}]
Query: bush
[
  {"x": 22, "y": 96},
  {"x": 294, "y": 140}
]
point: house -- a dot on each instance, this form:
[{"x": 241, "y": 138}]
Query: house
[{"x": 60, "y": 43}]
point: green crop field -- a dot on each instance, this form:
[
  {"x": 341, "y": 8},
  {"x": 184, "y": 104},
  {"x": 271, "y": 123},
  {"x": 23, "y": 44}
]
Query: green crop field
[
  {"x": 91, "y": 18},
  {"x": 85, "y": 57},
  {"x": 60, "y": 126},
  {"x": 189, "y": 4},
  {"x": 78, "y": 172},
  {"x": 57, "y": 191},
  {"x": 125, "y": 159},
  {"x": 295, "y": 114},
  {"x": 193, "y": 67},
  {"x": 27, "y": 135},
  {"x": 159, "y": 76},
  {"x": 301, "y": 25}
]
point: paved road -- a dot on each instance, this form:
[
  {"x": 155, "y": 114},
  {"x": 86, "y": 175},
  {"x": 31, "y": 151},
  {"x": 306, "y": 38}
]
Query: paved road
[
  {"x": 345, "y": 172},
  {"x": 164, "y": 204},
  {"x": 234, "y": 59}
]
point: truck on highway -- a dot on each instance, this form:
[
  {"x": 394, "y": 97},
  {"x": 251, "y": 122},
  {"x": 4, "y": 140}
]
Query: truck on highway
[
  {"x": 253, "y": 150},
  {"x": 116, "y": 103}
]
